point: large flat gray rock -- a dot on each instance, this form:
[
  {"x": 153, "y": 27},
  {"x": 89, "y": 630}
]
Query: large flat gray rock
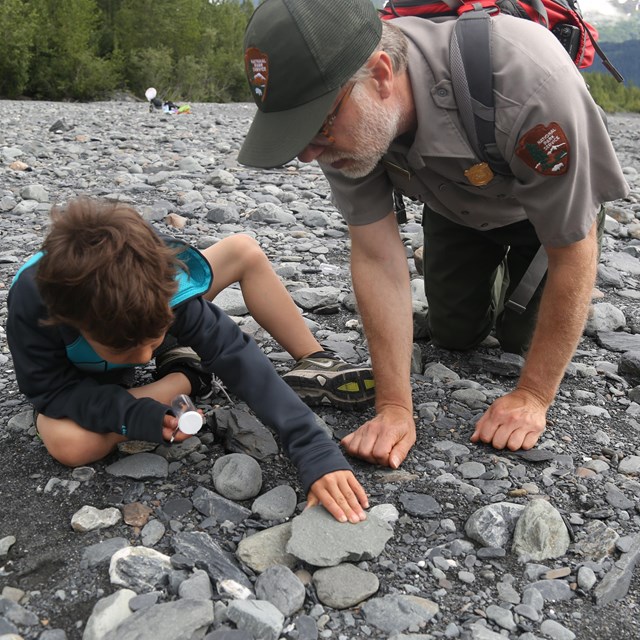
[{"x": 319, "y": 539}]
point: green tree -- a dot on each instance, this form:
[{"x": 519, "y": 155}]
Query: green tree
[
  {"x": 16, "y": 39},
  {"x": 612, "y": 95},
  {"x": 65, "y": 63},
  {"x": 82, "y": 49},
  {"x": 200, "y": 41},
  {"x": 107, "y": 27},
  {"x": 150, "y": 67},
  {"x": 170, "y": 27},
  {"x": 222, "y": 52}
]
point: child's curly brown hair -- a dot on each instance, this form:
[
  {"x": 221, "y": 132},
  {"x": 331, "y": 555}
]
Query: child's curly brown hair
[{"x": 107, "y": 273}]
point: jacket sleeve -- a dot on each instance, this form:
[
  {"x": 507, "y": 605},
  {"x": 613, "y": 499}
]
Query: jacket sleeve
[
  {"x": 246, "y": 371},
  {"x": 56, "y": 388}
]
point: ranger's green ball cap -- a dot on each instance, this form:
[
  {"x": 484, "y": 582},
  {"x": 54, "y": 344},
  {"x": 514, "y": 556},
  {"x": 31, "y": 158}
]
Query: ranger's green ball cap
[{"x": 298, "y": 54}]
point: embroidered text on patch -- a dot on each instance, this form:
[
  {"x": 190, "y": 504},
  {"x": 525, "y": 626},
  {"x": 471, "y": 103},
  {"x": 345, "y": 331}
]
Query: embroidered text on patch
[
  {"x": 545, "y": 148},
  {"x": 257, "y": 66}
]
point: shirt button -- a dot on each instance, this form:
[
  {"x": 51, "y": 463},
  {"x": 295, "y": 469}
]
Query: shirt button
[
  {"x": 464, "y": 213},
  {"x": 442, "y": 186},
  {"x": 442, "y": 93},
  {"x": 484, "y": 224}
]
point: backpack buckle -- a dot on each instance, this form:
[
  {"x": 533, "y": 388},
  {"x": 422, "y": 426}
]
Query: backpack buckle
[{"x": 488, "y": 6}]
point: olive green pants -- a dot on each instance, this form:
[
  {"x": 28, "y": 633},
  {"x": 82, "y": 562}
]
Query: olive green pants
[{"x": 468, "y": 275}]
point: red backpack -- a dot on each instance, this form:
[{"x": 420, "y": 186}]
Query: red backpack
[{"x": 562, "y": 17}]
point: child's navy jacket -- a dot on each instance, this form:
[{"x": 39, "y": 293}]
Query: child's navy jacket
[{"x": 60, "y": 374}]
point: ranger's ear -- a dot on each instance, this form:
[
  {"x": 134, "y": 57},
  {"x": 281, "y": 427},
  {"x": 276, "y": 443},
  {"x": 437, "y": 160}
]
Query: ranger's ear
[{"x": 382, "y": 73}]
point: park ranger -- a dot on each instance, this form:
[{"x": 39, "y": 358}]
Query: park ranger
[{"x": 374, "y": 104}]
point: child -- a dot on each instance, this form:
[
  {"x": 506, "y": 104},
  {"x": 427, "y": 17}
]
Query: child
[{"x": 103, "y": 295}]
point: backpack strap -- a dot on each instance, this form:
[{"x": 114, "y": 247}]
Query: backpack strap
[
  {"x": 603, "y": 56},
  {"x": 472, "y": 79},
  {"x": 530, "y": 281},
  {"x": 540, "y": 9},
  {"x": 399, "y": 207}
]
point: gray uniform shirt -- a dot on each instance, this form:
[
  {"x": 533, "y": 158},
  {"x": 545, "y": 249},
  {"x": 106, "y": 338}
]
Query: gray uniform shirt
[{"x": 542, "y": 103}]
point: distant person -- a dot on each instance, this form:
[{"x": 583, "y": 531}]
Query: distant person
[
  {"x": 374, "y": 104},
  {"x": 106, "y": 293}
]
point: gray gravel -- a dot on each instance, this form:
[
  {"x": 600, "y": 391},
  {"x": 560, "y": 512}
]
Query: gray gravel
[{"x": 161, "y": 542}]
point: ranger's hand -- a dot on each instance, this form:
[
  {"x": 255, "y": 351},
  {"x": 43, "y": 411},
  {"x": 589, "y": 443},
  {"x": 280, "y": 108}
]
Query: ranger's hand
[
  {"x": 386, "y": 439},
  {"x": 341, "y": 495},
  {"x": 514, "y": 421}
]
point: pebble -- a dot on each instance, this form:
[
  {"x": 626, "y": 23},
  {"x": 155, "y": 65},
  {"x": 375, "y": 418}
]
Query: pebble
[
  {"x": 630, "y": 465},
  {"x": 398, "y": 613},
  {"x": 140, "y": 466},
  {"x": 555, "y": 630},
  {"x": 586, "y": 578},
  {"x": 344, "y": 586},
  {"x": 201, "y": 549},
  {"x": 493, "y": 525},
  {"x": 5, "y": 544},
  {"x": 108, "y": 614},
  {"x": 139, "y": 568},
  {"x": 89, "y": 518},
  {"x": 237, "y": 476},
  {"x": 196, "y": 587},
  {"x": 540, "y": 533},
  {"x": 169, "y": 619},
  {"x": 282, "y": 588},
  {"x": 259, "y": 617},
  {"x": 277, "y": 504}
]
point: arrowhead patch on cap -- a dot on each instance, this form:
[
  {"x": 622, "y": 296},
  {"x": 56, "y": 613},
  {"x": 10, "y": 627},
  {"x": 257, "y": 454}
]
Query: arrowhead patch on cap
[{"x": 257, "y": 68}]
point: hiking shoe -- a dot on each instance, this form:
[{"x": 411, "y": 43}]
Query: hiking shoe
[
  {"x": 177, "y": 359},
  {"x": 324, "y": 378}
]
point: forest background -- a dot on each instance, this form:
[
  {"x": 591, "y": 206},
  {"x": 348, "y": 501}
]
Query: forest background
[{"x": 189, "y": 50}]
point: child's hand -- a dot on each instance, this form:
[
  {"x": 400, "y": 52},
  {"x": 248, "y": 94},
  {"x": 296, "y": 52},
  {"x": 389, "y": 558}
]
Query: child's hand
[
  {"x": 341, "y": 495},
  {"x": 169, "y": 426}
]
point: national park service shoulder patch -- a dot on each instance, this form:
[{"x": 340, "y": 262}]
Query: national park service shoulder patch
[
  {"x": 256, "y": 65},
  {"x": 545, "y": 148}
]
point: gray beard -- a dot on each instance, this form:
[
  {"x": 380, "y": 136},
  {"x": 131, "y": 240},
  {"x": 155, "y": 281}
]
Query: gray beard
[{"x": 375, "y": 130}]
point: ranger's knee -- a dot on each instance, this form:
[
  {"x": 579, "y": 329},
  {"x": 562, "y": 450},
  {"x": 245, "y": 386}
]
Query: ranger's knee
[
  {"x": 455, "y": 342},
  {"x": 457, "y": 336}
]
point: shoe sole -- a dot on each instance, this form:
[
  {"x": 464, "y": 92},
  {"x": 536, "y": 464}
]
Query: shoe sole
[
  {"x": 177, "y": 356},
  {"x": 351, "y": 389},
  {"x": 177, "y": 359}
]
